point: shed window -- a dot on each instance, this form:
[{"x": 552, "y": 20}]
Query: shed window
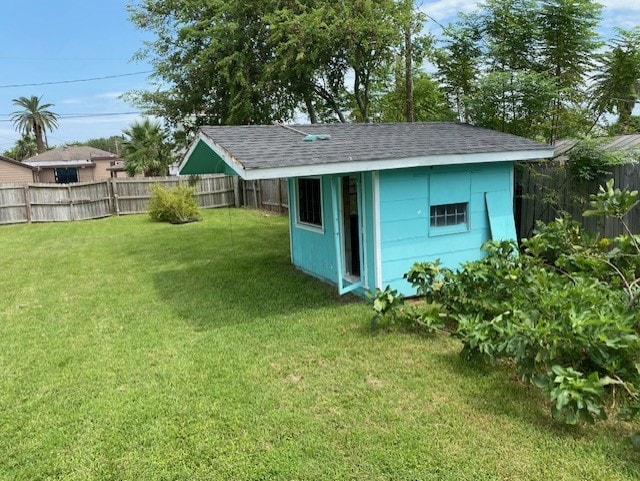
[
  {"x": 448, "y": 215},
  {"x": 310, "y": 201}
]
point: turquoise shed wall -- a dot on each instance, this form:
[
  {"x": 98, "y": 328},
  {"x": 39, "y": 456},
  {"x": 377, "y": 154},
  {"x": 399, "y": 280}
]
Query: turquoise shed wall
[
  {"x": 405, "y": 198},
  {"x": 314, "y": 251}
]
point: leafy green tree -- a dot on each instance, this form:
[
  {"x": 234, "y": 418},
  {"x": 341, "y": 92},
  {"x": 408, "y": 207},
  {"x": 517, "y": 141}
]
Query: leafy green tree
[
  {"x": 34, "y": 119},
  {"x": 146, "y": 149},
  {"x": 238, "y": 62},
  {"x": 430, "y": 103},
  {"x": 111, "y": 144},
  {"x": 458, "y": 65},
  {"x": 24, "y": 148},
  {"x": 616, "y": 86},
  {"x": 569, "y": 42},
  {"x": 493, "y": 56},
  {"x": 514, "y": 101}
]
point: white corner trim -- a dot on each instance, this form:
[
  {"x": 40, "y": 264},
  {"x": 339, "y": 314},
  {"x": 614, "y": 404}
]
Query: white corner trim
[{"x": 377, "y": 237}]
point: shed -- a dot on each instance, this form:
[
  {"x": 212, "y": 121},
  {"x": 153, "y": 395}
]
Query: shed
[{"x": 366, "y": 201}]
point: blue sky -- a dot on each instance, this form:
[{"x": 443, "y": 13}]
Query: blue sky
[{"x": 49, "y": 41}]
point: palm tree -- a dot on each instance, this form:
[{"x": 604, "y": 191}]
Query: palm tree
[
  {"x": 25, "y": 147},
  {"x": 616, "y": 88},
  {"x": 146, "y": 149},
  {"x": 34, "y": 119}
]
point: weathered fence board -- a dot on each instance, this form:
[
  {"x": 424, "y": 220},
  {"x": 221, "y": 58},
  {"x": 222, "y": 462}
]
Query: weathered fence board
[
  {"x": 131, "y": 196},
  {"x": 546, "y": 189},
  {"x": 93, "y": 200},
  {"x": 270, "y": 194},
  {"x": 13, "y": 204}
]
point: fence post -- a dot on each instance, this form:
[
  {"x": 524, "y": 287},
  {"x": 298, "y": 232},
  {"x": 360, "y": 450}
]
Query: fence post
[
  {"x": 236, "y": 190},
  {"x": 27, "y": 202},
  {"x": 73, "y": 216},
  {"x": 114, "y": 193}
]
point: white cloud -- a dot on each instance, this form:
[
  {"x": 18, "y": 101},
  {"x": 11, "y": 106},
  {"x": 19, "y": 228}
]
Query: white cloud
[
  {"x": 443, "y": 10},
  {"x": 629, "y": 5}
]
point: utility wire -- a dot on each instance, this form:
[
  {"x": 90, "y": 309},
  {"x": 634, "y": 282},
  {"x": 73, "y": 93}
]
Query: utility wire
[
  {"x": 75, "y": 80},
  {"x": 78, "y": 116}
]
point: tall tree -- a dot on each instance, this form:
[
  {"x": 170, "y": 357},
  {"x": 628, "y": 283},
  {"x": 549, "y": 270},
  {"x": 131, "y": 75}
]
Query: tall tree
[
  {"x": 146, "y": 149},
  {"x": 616, "y": 86},
  {"x": 34, "y": 119},
  {"x": 569, "y": 42},
  {"x": 238, "y": 62}
]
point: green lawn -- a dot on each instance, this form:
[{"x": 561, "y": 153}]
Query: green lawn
[{"x": 131, "y": 350}]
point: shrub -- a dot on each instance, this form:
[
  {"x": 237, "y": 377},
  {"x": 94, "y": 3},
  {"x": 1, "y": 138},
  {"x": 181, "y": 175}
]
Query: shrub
[{"x": 176, "y": 205}]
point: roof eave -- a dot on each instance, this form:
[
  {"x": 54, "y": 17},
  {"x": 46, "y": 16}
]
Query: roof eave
[
  {"x": 231, "y": 161},
  {"x": 388, "y": 164}
]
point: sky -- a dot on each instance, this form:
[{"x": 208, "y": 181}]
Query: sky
[{"x": 47, "y": 41}]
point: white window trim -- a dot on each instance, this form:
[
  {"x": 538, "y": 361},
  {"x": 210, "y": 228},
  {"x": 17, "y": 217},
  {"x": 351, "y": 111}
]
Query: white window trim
[{"x": 304, "y": 225}]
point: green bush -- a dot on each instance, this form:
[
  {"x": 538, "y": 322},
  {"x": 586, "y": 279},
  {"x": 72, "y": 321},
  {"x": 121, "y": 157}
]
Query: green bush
[
  {"x": 563, "y": 312},
  {"x": 176, "y": 205}
]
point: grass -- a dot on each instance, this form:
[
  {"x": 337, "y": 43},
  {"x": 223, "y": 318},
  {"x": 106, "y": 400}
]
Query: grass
[{"x": 132, "y": 350}]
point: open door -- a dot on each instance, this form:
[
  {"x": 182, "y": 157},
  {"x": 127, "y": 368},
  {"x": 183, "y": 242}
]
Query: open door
[{"x": 347, "y": 220}]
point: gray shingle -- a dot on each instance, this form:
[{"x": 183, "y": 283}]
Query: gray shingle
[{"x": 267, "y": 146}]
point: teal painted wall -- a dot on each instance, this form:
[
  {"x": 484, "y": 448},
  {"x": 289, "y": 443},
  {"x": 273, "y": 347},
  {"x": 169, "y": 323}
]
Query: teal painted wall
[
  {"x": 314, "y": 251},
  {"x": 405, "y": 199}
]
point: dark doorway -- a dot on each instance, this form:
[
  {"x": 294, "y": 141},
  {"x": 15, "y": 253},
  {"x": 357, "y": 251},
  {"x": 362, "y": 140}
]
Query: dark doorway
[{"x": 350, "y": 227}]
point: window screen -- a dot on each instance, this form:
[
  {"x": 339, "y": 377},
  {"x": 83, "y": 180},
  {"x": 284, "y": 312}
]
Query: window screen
[
  {"x": 310, "y": 202},
  {"x": 447, "y": 215}
]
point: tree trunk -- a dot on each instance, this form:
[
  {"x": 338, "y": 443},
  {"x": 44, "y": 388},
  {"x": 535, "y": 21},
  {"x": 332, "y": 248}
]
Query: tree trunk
[
  {"x": 37, "y": 131},
  {"x": 360, "y": 101},
  {"x": 408, "y": 71},
  {"x": 311, "y": 110}
]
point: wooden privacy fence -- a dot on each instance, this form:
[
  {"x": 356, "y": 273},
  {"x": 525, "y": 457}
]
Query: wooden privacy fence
[
  {"x": 545, "y": 189},
  {"x": 131, "y": 196},
  {"x": 270, "y": 194},
  {"x": 93, "y": 200}
]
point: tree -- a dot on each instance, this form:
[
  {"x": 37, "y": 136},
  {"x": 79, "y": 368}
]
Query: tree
[
  {"x": 569, "y": 42},
  {"x": 34, "y": 118},
  {"x": 429, "y": 104},
  {"x": 511, "y": 57},
  {"x": 146, "y": 149},
  {"x": 238, "y": 62},
  {"x": 616, "y": 86},
  {"x": 24, "y": 148},
  {"x": 111, "y": 144}
]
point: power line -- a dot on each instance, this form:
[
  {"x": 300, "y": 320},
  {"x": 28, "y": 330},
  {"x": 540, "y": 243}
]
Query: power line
[
  {"x": 64, "y": 58},
  {"x": 78, "y": 116},
  {"x": 75, "y": 80}
]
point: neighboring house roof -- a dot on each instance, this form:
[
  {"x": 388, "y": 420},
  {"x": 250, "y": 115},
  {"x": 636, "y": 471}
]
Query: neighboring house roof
[
  {"x": 69, "y": 153},
  {"x": 16, "y": 162},
  {"x": 269, "y": 151},
  {"x": 65, "y": 163},
  {"x": 619, "y": 142}
]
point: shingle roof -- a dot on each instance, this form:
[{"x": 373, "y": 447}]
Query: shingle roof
[
  {"x": 70, "y": 153},
  {"x": 16, "y": 162},
  {"x": 619, "y": 142},
  {"x": 268, "y": 146}
]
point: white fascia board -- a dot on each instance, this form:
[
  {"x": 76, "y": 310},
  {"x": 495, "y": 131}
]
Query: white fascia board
[
  {"x": 224, "y": 155},
  {"x": 387, "y": 164}
]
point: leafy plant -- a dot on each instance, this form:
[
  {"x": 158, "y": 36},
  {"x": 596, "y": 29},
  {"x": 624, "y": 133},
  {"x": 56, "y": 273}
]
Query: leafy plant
[
  {"x": 589, "y": 161},
  {"x": 176, "y": 205}
]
